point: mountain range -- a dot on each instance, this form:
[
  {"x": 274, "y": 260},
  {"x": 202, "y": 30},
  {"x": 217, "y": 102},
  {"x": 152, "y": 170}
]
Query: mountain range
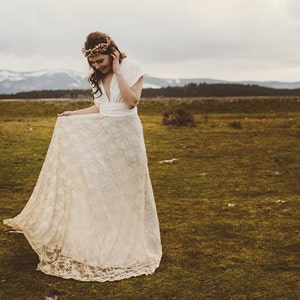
[{"x": 12, "y": 82}]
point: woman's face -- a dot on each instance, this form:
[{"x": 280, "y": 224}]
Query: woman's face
[{"x": 101, "y": 62}]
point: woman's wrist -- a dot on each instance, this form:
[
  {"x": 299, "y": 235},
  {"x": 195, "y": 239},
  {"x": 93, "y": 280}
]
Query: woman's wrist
[
  {"x": 118, "y": 72},
  {"x": 65, "y": 113}
]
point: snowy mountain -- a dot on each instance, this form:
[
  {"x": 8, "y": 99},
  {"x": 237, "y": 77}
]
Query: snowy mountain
[
  {"x": 152, "y": 82},
  {"x": 13, "y": 82}
]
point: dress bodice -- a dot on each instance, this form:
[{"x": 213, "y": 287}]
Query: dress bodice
[{"x": 115, "y": 106}]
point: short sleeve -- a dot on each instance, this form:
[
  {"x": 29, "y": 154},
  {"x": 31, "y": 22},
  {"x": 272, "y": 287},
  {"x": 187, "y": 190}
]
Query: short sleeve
[{"x": 131, "y": 70}]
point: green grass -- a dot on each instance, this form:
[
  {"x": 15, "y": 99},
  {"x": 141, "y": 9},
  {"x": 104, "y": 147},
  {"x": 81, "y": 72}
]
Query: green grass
[{"x": 228, "y": 206}]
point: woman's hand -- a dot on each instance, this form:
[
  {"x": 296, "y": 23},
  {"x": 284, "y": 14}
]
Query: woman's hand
[
  {"x": 116, "y": 62},
  {"x": 65, "y": 113},
  {"x": 89, "y": 110}
]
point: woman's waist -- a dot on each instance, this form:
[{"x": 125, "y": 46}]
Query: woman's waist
[{"x": 116, "y": 110}]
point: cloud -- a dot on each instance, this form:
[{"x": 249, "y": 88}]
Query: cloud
[{"x": 187, "y": 38}]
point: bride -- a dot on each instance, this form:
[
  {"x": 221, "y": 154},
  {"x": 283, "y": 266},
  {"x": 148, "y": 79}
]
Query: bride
[{"x": 92, "y": 214}]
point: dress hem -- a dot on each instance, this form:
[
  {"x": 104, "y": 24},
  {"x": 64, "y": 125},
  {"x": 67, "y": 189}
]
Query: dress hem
[
  {"x": 125, "y": 274},
  {"x": 62, "y": 266}
]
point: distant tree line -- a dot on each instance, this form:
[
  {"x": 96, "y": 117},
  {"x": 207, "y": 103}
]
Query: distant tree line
[
  {"x": 189, "y": 90},
  {"x": 49, "y": 94},
  {"x": 218, "y": 90}
]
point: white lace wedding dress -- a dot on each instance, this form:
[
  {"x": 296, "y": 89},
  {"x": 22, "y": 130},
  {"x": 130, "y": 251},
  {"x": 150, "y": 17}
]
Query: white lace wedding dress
[{"x": 92, "y": 215}]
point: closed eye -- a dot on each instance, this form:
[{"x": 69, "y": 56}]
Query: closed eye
[{"x": 98, "y": 61}]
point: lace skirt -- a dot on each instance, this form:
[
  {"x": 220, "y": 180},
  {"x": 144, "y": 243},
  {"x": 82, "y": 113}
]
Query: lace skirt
[{"x": 92, "y": 215}]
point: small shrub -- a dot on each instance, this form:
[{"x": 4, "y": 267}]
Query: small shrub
[
  {"x": 178, "y": 117},
  {"x": 235, "y": 125}
]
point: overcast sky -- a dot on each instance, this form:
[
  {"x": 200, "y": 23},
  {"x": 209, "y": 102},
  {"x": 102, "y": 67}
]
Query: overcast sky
[{"x": 219, "y": 39}]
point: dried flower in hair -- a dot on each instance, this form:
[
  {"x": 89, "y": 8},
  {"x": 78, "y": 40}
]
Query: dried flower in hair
[{"x": 99, "y": 48}]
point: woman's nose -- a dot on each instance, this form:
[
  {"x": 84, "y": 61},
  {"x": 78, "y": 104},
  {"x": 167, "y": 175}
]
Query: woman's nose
[{"x": 96, "y": 65}]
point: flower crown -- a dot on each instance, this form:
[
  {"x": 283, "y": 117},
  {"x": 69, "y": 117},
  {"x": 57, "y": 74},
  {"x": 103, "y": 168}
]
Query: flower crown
[{"x": 99, "y": 48}]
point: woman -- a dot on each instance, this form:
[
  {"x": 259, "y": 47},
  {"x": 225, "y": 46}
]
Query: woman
[{"x": 92, "y": 215}]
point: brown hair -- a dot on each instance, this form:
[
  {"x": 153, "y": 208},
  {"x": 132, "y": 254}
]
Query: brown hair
[{"x": 92, "y": 40}]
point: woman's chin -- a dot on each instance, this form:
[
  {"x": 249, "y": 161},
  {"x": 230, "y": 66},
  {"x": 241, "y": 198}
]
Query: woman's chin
[{"x": 105, "y": 70}]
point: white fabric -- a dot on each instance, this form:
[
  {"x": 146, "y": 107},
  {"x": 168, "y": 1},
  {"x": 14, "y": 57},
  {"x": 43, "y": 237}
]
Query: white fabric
[
  {"x": 131, "y": 70},
  {"x": 92, "y": 215},
  {"x": 117, "y": 110}
]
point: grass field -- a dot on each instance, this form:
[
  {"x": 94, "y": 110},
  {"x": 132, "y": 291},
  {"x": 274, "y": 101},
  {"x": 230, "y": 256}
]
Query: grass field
[{"x": 228, "y": 206}]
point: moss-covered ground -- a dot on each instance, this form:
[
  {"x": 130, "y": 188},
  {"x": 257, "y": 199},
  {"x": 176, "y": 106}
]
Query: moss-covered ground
[{"x": 228, "y": 205}]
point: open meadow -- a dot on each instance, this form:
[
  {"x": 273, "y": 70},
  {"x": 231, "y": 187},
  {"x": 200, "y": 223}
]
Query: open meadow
[{"x": 227, "y": 193}]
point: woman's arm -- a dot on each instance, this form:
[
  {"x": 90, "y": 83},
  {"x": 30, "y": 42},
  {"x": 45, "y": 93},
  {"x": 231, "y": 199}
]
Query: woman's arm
[
  {"x": 88, "y": 110},
  {"x": 130, "y": 96}
]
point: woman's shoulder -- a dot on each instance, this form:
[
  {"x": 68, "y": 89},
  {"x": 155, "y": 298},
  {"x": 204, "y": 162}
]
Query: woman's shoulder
[
  {"x": 130, "y": 63},
  {"x": 131, "y": 70}
]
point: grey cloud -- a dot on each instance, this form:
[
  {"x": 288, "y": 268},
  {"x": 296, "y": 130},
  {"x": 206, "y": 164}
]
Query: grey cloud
[{"x": 167, "y": 34}]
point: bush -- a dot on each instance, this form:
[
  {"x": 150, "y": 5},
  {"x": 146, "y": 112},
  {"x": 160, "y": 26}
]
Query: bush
[
  {"x": 235, "y": 125},
  {"x": 178, "y": 117}
]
